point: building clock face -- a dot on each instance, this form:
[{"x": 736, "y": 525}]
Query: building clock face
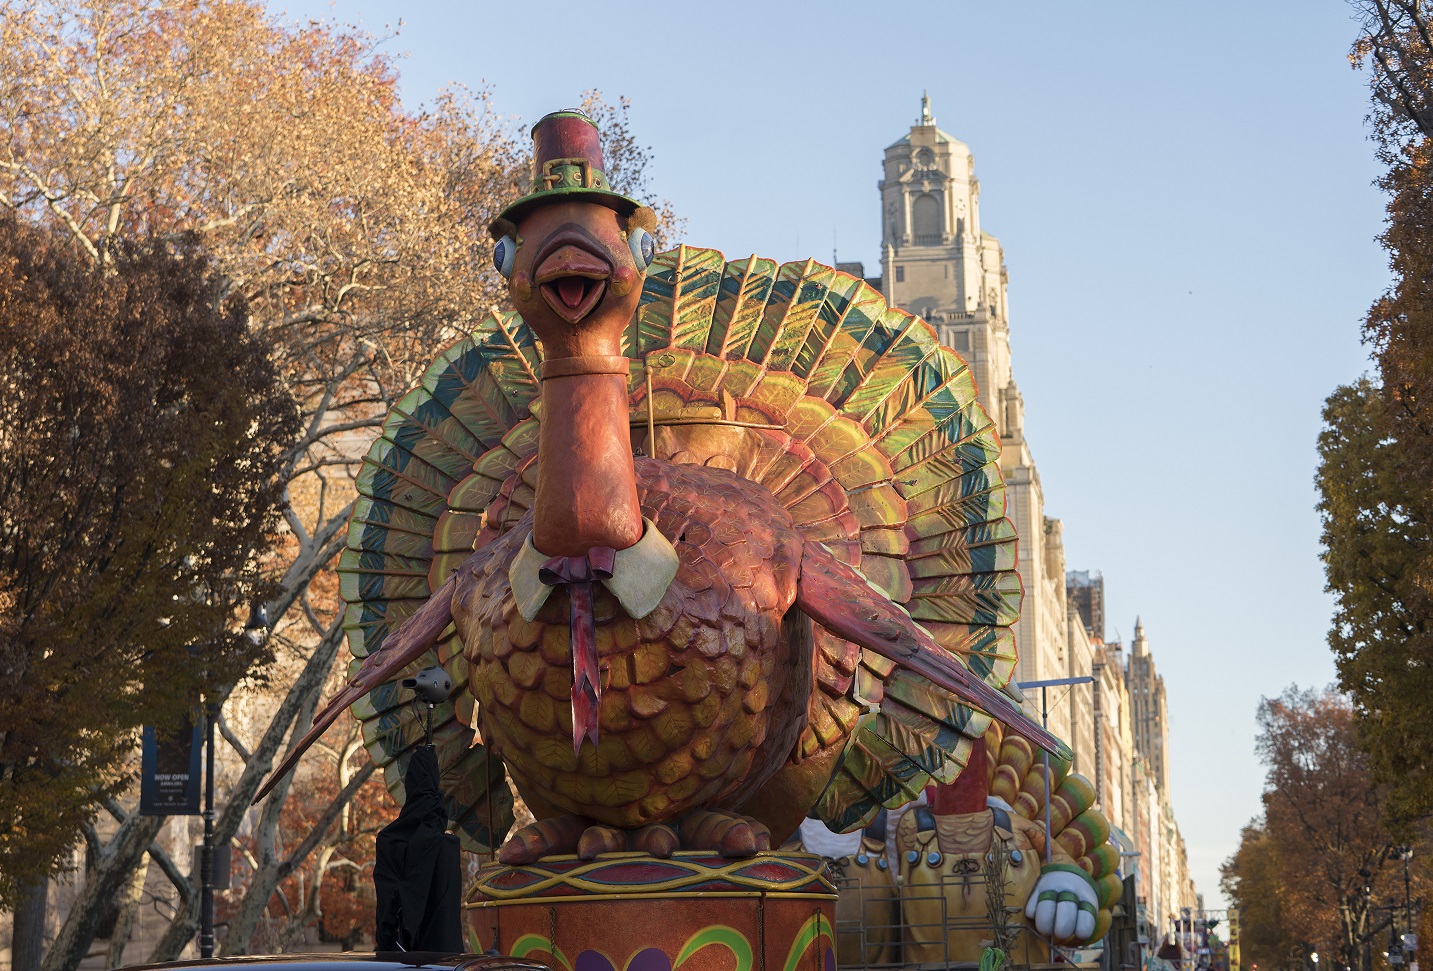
[{"x": 925, "y": 158}]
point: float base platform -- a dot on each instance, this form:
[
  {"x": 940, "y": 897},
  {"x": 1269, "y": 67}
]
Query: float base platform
[{"x": 633, "y": 912}]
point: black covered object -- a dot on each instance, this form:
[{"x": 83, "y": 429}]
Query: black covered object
[{"x": 416, "y": 872}]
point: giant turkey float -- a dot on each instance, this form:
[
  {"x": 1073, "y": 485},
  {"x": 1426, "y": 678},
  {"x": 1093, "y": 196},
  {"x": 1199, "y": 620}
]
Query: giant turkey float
[{"x": 716, "y": 555}]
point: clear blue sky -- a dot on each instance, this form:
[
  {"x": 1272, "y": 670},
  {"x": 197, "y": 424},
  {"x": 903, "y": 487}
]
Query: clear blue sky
[{"x": 1184, "y": 193}]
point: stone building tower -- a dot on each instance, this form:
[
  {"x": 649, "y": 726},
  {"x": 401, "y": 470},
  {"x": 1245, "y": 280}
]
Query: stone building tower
[
  {"x": 1085, "y": 591},
  {"x": 938, "y": 263},
  {"x": 1148, "y": 709}
]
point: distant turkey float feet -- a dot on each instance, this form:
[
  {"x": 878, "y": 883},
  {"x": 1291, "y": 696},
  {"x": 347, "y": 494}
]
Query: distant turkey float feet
[
  {"x": 569, "y": 833},
  {"x": 729, "y": 834},
  {"x": 657, "y": 839}
]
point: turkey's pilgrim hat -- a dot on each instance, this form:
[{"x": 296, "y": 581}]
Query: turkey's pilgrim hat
[{"x": 567, "y": 164}]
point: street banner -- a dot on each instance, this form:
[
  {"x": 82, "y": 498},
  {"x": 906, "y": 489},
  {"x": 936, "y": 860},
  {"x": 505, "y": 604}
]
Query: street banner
[{"x": 170, "y": 771}]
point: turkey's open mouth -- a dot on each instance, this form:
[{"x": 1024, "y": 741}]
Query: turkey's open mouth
[
  {"x": 573, "y": 297},
  {"x": 572, "y": 278}
]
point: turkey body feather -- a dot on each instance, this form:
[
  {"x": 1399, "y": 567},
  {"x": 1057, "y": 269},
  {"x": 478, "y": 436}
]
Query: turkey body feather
[{"x": 702, "y": 698}]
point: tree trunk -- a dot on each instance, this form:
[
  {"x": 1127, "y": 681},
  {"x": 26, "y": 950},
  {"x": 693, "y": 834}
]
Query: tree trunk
[
  {"x": 180, "y": 931},
  {"x": 85, "y": 914},
  {"x": 110, "y": 873},
  {"x": 28, "y": 944},
  {"x": 266, "y": 875},
  {"x": 271, "y": 871},
  {"x": 128, "y": 904}
]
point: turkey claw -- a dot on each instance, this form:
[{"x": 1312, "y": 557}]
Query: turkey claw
[
  {"x": 658, "y": 839},
  {"x": 600, "y": 839},
  {"x": 729, "y": 834},
  {"x": 546, "y": 837},
  {"x": 562, "y": 835}
]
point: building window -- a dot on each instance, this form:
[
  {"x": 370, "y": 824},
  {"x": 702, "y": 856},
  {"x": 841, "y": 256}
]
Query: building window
[
  {"x": 900, "y": 274},
  {"x": 925, "y": 220}
]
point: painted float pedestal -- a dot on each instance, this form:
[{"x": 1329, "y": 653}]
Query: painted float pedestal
[{"x": 633, "y": 912}]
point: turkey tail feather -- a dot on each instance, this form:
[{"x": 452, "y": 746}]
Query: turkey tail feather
[
  {"x": 416, "y": 634},
  {"x": 430, "y": 493},
  {"x": 838, "y": 598},
  {"x": 870, "y": 432}
]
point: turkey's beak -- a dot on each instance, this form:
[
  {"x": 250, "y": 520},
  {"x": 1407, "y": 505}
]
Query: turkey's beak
[{"x": 572, "y": 273}]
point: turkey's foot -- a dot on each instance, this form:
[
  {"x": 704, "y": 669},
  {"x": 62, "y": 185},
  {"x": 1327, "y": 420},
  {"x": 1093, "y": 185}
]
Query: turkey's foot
[
  {"x": 703, "y": 830},
  {"x": 600, "y": 839},
  {"x": 658, "y": 839},
  {"x": 546, "y": 837},
  {"x": 570, "y": 833},
  {"x": 727, "y": 833}
]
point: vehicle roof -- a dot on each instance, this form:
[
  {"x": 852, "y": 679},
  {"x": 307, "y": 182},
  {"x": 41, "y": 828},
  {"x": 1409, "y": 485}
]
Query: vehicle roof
[{"x": 354, "y": 961}]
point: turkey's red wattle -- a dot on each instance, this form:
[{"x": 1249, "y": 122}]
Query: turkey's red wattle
[{"x": 578, "y": 574}]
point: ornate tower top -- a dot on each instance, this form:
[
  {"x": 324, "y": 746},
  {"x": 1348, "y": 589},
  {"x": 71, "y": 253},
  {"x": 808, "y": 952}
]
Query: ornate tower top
[{"x": 926, "y": 117}]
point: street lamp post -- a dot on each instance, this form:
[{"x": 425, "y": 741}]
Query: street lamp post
[
  {"x": 1405, "y": 853},
  {"x": 254, "y": 628},
  {"x": 1366, "y": 892},
  {"x": 206, "y": 854}
]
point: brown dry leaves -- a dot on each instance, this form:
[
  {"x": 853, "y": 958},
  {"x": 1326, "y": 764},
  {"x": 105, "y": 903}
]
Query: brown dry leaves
[{"x": 354, "y": 228}]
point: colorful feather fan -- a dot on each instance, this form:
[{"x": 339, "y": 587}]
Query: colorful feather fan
[{"x": 798, "y": 377}]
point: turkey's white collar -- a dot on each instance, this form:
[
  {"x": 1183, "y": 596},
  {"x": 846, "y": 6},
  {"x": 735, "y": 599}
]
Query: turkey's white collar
[{"x": 639, "y": 579}]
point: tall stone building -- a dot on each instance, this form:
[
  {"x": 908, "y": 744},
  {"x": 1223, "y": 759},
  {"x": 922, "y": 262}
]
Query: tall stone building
[
  {"x": 1148, "y": 709},
  {"x": 1113, "y": 737},
  {"x": 939, "y": 263}
]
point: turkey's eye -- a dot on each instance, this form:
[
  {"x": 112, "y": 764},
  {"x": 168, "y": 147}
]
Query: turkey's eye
[
  {"x": 503, "y": 255},
  {"x": 644, "y": 248}
]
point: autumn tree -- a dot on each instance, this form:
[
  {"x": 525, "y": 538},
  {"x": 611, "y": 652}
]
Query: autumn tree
[
  {"x": 140, "y": 425},
  {"x": 1253, "y": 880},
  {"x": 1377, "y": 537},
  {"x": 1315, "y": 871},
  {"x": 627, "y": 160},
  {"x": 353, "y": 228},
  {"x": 1377, "y": 446},
  {"x": 326, "y": 876}
]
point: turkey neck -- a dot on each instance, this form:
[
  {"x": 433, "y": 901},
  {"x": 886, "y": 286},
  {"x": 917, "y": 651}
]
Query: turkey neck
[{"x": 586, "y": 482}]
